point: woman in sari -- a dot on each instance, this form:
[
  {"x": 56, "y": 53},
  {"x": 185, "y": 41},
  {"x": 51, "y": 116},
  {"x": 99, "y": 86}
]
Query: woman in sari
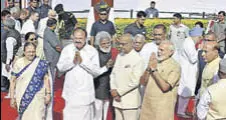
[{"x": 29, "y": 86}]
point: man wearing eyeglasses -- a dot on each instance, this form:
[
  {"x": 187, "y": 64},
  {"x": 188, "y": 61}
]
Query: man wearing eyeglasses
[
  {"x": 124, "y": 80},
  {"x": 103, "y": 24}
]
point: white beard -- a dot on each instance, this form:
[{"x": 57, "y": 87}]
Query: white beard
[{"x": 108, "y": 50}]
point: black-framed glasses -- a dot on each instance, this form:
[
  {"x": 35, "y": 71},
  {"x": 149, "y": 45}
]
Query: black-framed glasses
[
  {"x": 157, "y": 34},
  {"x": 208, "y": 40},
  {"x": 32, "y": 39},
  {"x": 103, "y": 13}
]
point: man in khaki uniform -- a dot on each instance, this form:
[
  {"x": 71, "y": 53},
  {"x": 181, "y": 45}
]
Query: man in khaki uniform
[
  {"x": 124, "y": 80},
  {"x": 211, "y": 57},
  {"x": 212, "y": 103},
  {"x": 161, "y": 90}
]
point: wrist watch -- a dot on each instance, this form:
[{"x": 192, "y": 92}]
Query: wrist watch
[{"x": 153, "y": 70}]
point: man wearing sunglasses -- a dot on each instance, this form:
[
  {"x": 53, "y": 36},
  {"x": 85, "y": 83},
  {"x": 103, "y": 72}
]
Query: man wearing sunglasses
[{"x": 103, "y": 24}]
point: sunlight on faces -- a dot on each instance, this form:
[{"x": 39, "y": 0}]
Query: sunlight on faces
[
  {"x": 79, "y": 39},
  {"x": 105, "y": 45},
  {"x": 165, "y": 50},
  {"x": 30, "y": 52}
]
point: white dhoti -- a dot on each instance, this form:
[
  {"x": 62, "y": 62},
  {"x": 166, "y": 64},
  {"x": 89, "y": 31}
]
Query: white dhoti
[
  {"x": 131, "y": 114},
  {"x": 101, "y": 109},
  {"x": 72, "y": 112}
]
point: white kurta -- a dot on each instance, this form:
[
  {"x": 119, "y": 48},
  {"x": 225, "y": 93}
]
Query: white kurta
[
  {"x": 42, "y": 26},
  {"x": 146, "y": 52},
  {"x": 189, "y": 58},
  {"x": 28, "y": 26},
  {"x": 78, "y": 87}
]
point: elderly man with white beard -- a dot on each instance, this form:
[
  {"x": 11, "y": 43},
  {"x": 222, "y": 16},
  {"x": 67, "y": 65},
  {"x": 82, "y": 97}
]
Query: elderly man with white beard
[{"x": 102, "y": 86}]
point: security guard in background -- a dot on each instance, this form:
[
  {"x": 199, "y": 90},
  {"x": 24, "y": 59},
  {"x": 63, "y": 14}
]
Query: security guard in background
[{"x": 66, "y": 24}]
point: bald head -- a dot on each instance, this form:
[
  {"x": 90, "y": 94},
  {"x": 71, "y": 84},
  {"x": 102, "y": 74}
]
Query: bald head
[{"x": 52, "y": 14}]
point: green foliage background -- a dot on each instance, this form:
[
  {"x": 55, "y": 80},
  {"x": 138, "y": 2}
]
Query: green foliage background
[{"x": 121, "y": 23}]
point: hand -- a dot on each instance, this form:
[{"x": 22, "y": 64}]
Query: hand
[
  {"x": 58, "y": 48},
  {"x": 13, "y": 103},
  {"x": 144, "y": 78},
  {"x": 114, "y": 93},
  {"x": 77, "y": 58},
  {"x": 117, "y": 99},
  {"x": 110, "y": 63},
  {"x": 47, "y": 99},
  {"x": 7, "y": 67},
  {"x": 153, "y": 62}
]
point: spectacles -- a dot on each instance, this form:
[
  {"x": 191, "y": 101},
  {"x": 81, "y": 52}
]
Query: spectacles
[
  {"x": 123, "y": 44},
  {"x": 103, "y": 13},
  {"x": 208, "y": 40},
  {"x": 157, "y": 34},
  {"x": 33, "y": 39}
]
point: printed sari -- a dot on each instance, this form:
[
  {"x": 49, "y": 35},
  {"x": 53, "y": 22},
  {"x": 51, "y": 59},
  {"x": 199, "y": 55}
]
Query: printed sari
[{"x": 30, "y": 91}]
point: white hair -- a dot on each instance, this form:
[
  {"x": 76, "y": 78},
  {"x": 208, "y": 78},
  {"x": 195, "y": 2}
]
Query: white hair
[
  {"x": 14, "y": 10},
  {"x": 139, "y": 36},
  {"x": 169, "y": 43},
  {"x": 100, "y": 36}
]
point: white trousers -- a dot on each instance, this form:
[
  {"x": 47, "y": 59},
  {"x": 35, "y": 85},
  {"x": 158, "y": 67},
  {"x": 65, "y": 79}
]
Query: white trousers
[
  {"x": 121, "y": 114},
  {"x": 101, "y": 109},
  {"x": 182, "y": 104},
  {"x": 72, "y": 112}
]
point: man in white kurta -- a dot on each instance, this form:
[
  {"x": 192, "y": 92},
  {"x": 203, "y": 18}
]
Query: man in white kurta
[
  {"x": 189, "y": 67},
  {"x": 124, "y": 80},
  {"x": 42, "y": 23},
  {"x": 80, "y": 61},
  {"x": 177, "y": 34},
  {"x": 29, "y": 26}
]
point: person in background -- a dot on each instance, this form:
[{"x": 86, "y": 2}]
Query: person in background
[
  {"x": 42, "y": 24},
  {"x": 152, "y": 12},
  {"x": 177, "y": 34},
  {"x": 66, "y": 24},
  {"x": 10, "y": 5},
  {"x": 219, "y": 28},
  {"x": 11, "y": 43},
  {"x": 138, "y": 26},
  {"x": 189, "y": 71},
  {"x": 44, "y": 9},
  {"x": 103, "y": 24},
  {"x": 24, "y": 13},
  {"x": 29, "y": 26},
  {"x": 212, "y": 102},
  {"x": 15, "y": 14}
]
